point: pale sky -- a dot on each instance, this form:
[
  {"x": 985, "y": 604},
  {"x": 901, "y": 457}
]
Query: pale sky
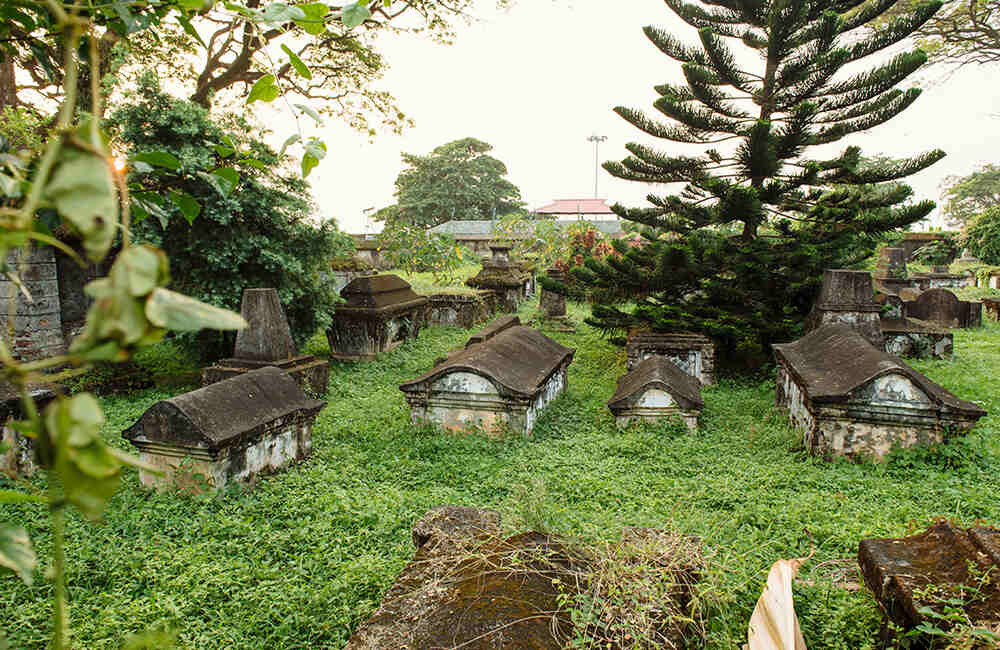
[{"x": 537, "y": 80}]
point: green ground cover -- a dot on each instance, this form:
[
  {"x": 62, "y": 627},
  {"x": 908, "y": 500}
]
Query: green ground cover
[
  {"x": 427, "y": 283},
  {"x": 302, "y": 558}
]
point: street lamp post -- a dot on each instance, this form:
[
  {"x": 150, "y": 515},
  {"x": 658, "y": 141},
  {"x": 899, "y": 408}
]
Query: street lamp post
[{"x": 597, "y": 140}]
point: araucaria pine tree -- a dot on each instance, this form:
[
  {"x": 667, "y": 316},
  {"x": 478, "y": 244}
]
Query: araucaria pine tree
[{"x": 738, "y": 252}]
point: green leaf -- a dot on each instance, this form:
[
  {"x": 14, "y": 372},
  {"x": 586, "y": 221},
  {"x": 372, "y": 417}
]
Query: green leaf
[
  {"x": 189, "y": 29},
  {"x": 12, "y": 496},
  {"x": 310, "y": 112},
  {"x": 83, "y": 192},
  {"x": 253, "y": 162},
  {"x": 297, "y": 63},
  {"x": 315, "y": 152},
  {"x": 144, "y": 268},
  {"x": 354, "y": 14},
  {"x": 175, "y": 311},
  {"x": 11, "y": 187},
  {"x": 16, "y": 553},
  {"x": 265, "y": 90},
  {"x": 314, "y": 22},
  {"x": 187, "y": 204},
  {"x": 279, "y": 12},
  {"x": 157, "y": 158},
  {"x": 224, "y": 152},
  {"x": 292, "y": 139},
  {"x": 229, "y": 178}
]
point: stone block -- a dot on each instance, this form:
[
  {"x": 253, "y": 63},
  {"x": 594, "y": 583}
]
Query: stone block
[
  {"x": 944, "y": 563},
  {"x": 656, "y": 389},
  {"x": 267, "y": 341},
  {"x": 847, "y": 298},
  {"x": 507, "y": 280},
  {"x": 891, "y": 264},
  {"x": 230, "y": 431},
  {"x": 501, "y": 381},
  {"x": 458, "y": 309},
  {"x": 692, "y": 353},
  {"x": 19, "y": 459},
  {"x": 916, "y": 339},
  {"x": 852, "y": 399},
  {"x": 992, "y": 308},
  {"x": 381, "y": 313}
]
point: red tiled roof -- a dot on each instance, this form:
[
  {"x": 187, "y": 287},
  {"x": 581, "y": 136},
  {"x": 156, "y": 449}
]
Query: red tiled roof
[{"x": 575, "y": 206}]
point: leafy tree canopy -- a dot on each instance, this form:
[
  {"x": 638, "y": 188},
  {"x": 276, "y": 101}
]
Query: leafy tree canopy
[
  {"x": 235, "y": 213},
  {"x": 982, "y": 236},
  {"x": 458, "y": 180},
  {"x": 968, "y": 196},
  {"x": 738, "y": 252},
  {"x": 962, "y": 32}
]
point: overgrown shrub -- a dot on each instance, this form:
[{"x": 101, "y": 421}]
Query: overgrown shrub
[
  {"x": 255, "y": 226},
  {"x": 415, "y": 249},
  {"x": 982, "y": 236}
]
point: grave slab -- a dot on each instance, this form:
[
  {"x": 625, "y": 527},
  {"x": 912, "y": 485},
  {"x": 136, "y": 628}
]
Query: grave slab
[
  {"x": 852, "y": 399},
  {"x": 459, "y": 309},
  {"x": 847, "y": 298},
  {"x": 504, "y": 377},
  {"x": 908, "y": 574},
  {"x": 655, "y": 390},
  {"x": 230, "y": 431},
  {"x": 943, "y": 308}
]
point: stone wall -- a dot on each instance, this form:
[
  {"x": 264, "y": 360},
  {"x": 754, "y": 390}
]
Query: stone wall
[
  {"x": 38, "y": 329},
  {"x": 459, "y": 310}
]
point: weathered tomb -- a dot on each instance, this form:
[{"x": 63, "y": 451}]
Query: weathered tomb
[
  {"x": 992, "y": 308},
  {"x": 692, "y": 353},
  {"x": 459, "y": 309},
  {"x": 847, "y": 298},
  {"x": 506, "y": 279},
  {"x": 19, "y": 459},
  {"x": 913, "y": 338},
  {"x": 381, "y": 313},
  {"x": 852, "y": 399},
  {"x": 908, "y": 574},
  {"x": 230, "y": 431},
  {"x": 656, "y": 389},
  {"x": 504, "y": 377},
  {"x": 267, "y": 341},
  {"x": 940, "y": 278},
  {"x": 943, "y": 308},
  {"x": 890, "y": 271},
  {"x": 469, "y": 587},
  {"x": 552, "y": 304}
]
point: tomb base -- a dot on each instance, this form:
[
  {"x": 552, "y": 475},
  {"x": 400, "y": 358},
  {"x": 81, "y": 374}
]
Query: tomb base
[
  {"x": 692, "y": 353},
  {"x": 310, "y": 373}
]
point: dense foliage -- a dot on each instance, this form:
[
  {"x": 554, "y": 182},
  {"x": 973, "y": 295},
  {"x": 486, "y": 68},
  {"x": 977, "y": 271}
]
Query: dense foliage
[
  {"x": 937, "y": 253},
  {"x": 251, "y": 225},
  {"x": 982, "y": 236},
  {"x": 457, "y": 180},
  {"x": 739, "y": 252}
]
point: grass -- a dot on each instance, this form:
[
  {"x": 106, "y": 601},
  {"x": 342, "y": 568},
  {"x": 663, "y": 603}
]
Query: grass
[
  {"x": 428, "y": 283},
  {"x": 305, "y": 556}
]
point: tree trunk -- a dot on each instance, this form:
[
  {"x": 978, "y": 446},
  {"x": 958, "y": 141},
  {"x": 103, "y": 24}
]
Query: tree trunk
[{"x": 8, "y": 85}]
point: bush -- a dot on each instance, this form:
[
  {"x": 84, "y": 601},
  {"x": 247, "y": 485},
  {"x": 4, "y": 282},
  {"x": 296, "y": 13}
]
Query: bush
[
  {"x": 982, "y": 236},
  {"x": 417, "y": 250},
  {"x": 252, "y": 230}
]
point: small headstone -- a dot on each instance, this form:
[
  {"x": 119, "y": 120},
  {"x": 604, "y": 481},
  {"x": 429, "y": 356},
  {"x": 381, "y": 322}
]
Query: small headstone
[
  {"x": 504, "y": 377},
  {"x": 852, "y": 399},
  {"x": 267, "y": 341},
  {"x": 847, "y": 298},
  {"x": 910, "y": 575},
  {"x": 943, "y": 308},
  {"x": 552, "y": 304},
  {"x": 232, "y": 430},
  {"x": 381, "y": 313},
  {"x": 655, "y": 390},
  {"x": 692, "y": 353}
]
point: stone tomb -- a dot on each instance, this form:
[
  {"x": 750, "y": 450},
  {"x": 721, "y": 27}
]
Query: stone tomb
[
  {"x": 852, "y": 399},
  {"x": 267, "y": 341},
  {"x": 230, "y": 431},
  {"x": 913, "y": 338},
  {"x": 992, "y": 308},
  {"x": 503, "y": 378},
  {"x": 692, "y": 353},
  {"x": 459, "y": 309},
  {"x": 381, "y": 313},
  {"x": 507, "y": 280},
  {"x": 848, "y": 298},
  {"x": 19, "y": 459},
  {"x": 943, "y": 308},
  {"x": 890, "y": 272},
  {"x": 654, "y": 390},
  {"x": 908, "y": 574}
]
